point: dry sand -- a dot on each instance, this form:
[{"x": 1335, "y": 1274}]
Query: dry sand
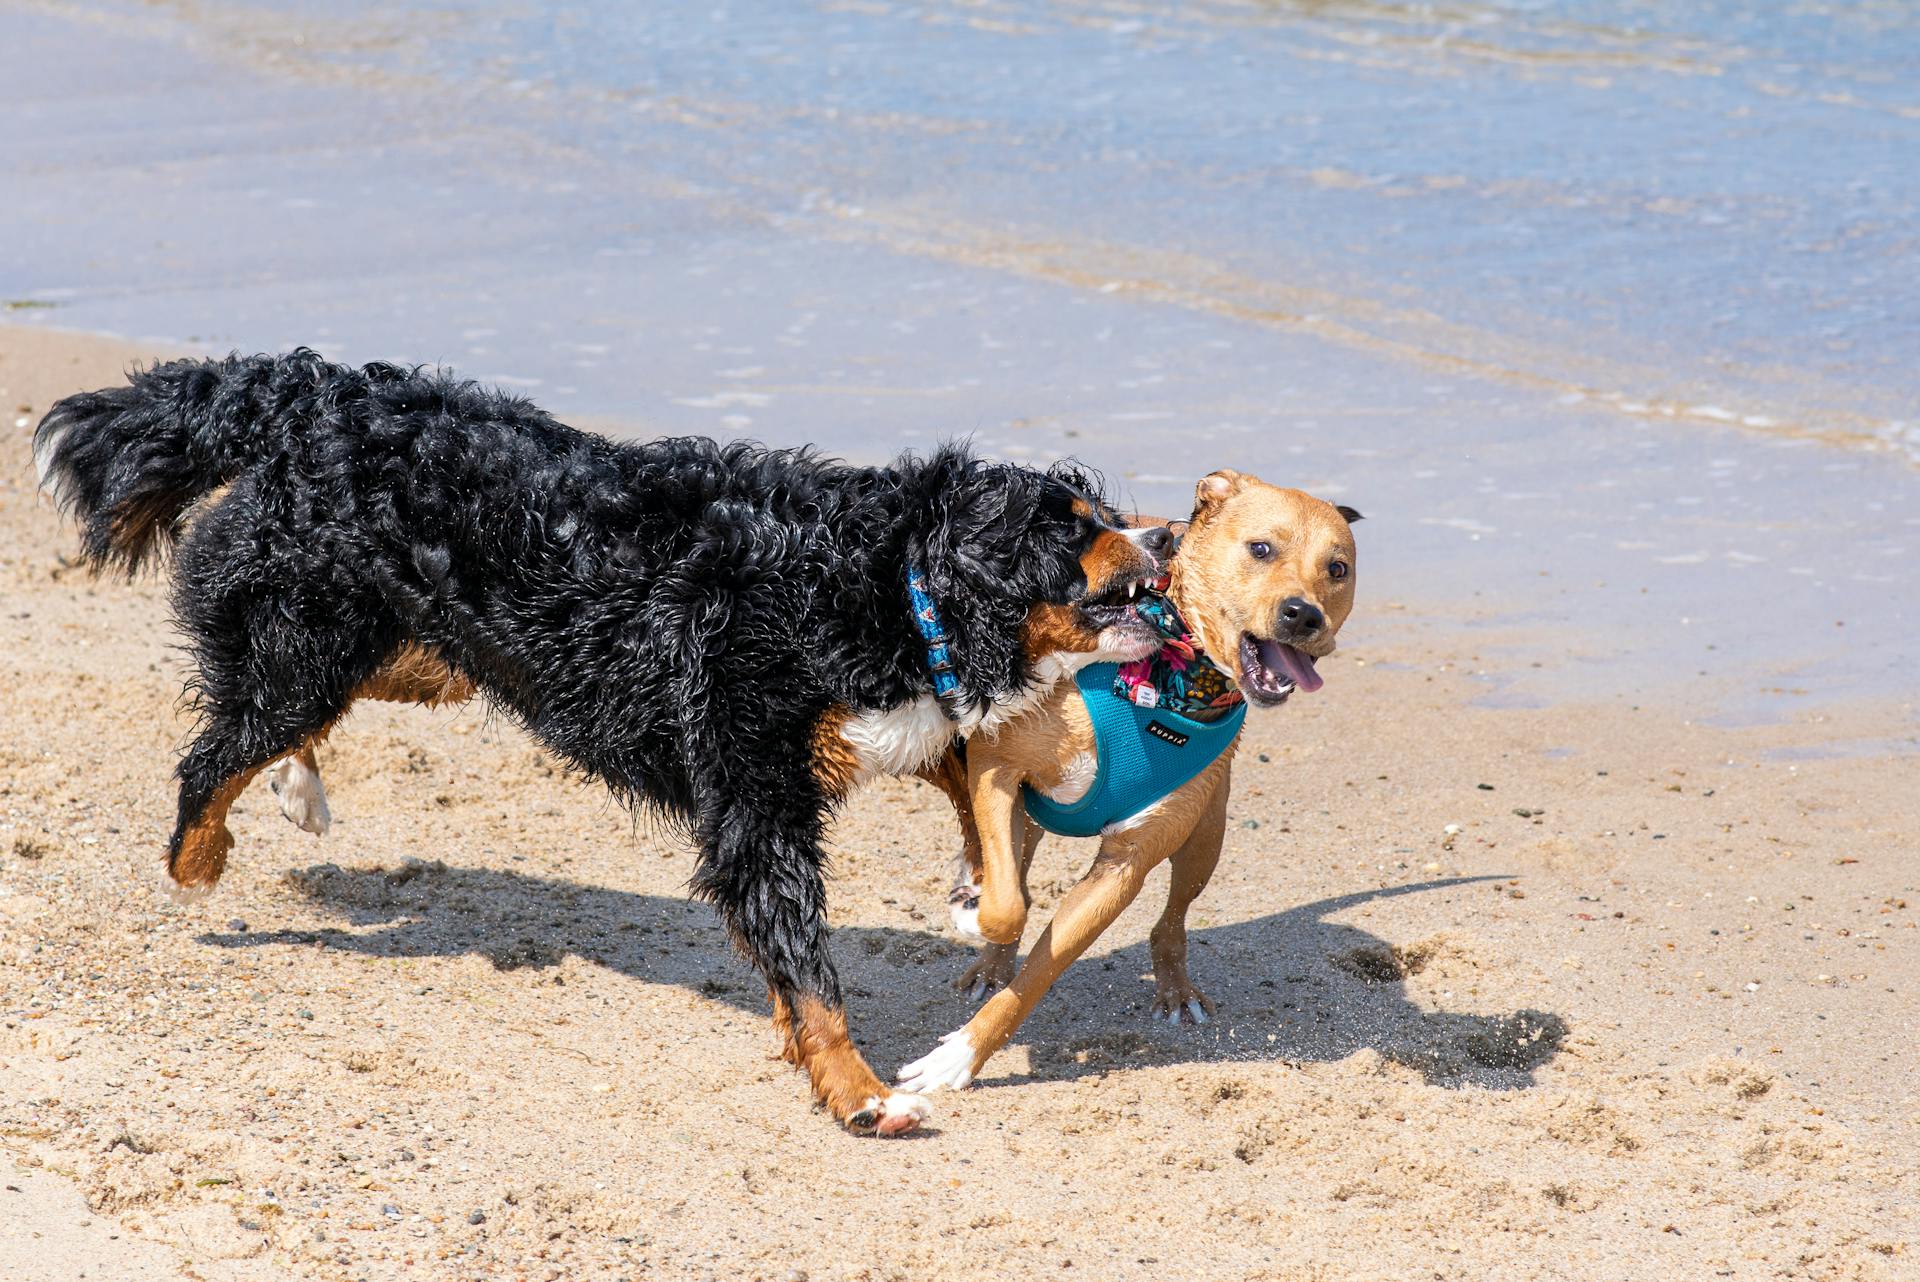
[{"x": 1660, "y": 1027}]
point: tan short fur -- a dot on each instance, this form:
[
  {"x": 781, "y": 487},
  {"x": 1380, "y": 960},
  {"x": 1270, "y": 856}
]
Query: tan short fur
[{"x": 1222, "y": 591}]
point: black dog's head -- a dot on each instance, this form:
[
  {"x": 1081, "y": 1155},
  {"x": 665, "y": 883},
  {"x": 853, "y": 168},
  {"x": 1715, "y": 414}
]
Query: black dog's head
[
  {"x": 1030, "y": 563},
  {"x": 1110, "y": 565}
]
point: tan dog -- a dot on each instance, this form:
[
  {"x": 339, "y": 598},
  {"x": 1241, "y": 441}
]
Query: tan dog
[{"x": 1264, "y": 579}]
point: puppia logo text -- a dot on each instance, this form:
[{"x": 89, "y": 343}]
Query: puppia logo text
[{"x": 1167, "y": 733}]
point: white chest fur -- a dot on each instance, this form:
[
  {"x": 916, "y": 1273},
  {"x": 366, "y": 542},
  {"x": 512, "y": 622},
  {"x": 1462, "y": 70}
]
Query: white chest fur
[{"x": 903, "y": 740}]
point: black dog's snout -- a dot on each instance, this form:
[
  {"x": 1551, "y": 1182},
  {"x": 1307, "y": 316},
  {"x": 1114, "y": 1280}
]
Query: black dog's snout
[
  {"x": 1157, "y": 540},
  {"x": 1300, "y": 617}
]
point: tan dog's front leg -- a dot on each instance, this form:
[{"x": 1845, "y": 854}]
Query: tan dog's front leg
[
  {"x": 998, "y": 963},
  {"x": 996, "y": 810},
  {"x": 1176, "y": 998},
  {"x": 1089, "y": 908}
]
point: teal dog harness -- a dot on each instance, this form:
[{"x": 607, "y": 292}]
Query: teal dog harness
[
  {"x": 1142, "y": 755},
  {"x": 1145, "y": 746}
]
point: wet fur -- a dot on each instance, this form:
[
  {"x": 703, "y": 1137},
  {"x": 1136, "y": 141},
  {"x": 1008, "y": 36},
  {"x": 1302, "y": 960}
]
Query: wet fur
[{"x": 682, "y": 619}]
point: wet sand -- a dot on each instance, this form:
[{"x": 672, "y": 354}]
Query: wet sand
[{"x": 1647, "y": 1014}]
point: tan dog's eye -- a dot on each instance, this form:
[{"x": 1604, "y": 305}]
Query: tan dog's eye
[
  {"x": 1259, "y": 551},
  {"x": 1337, "y": 569}
]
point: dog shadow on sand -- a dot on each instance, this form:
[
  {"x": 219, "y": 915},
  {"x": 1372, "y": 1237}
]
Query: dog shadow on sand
[{"x": 1291, "y": 986}]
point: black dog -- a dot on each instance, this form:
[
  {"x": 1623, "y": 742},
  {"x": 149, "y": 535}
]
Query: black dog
[{"x": 724, "y": 632}]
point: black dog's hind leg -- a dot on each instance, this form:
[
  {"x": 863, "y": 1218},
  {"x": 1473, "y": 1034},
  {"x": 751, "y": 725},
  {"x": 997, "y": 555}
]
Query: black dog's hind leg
[
  {"x": 760, "y": 865},
  {"x": 260, "y": 699},
  {"x": 279, "y": 656}
]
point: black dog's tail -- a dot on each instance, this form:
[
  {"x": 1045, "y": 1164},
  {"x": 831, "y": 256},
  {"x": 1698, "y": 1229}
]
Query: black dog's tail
[{"x": 129, "y": 461}]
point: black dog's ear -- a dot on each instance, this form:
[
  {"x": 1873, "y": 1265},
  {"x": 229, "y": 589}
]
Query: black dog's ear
[
  {"x": 1084, "y": 480},
  {"x": 1350, "y": 513}
]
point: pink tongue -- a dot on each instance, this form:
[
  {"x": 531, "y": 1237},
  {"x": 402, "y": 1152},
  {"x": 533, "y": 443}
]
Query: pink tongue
[{"x": 1296, "y": 665}]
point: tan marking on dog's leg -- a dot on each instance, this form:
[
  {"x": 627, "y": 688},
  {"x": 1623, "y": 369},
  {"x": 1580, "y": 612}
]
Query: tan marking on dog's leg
[
  {"x": 202, "y": 854},
  {"x": 783, "y": 1027},
  {"x": 415, "y": 674},
  {"x": 1190, "y": 868},
  {"x": 841, "y": 1079},
  {"x": 836, "y": 766}
]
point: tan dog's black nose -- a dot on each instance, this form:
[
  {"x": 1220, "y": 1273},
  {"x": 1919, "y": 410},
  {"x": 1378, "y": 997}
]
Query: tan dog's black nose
[{"x": 1299, "y": 619}]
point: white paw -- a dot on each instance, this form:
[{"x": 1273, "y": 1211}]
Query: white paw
[
  {"x": 901, "y": 1113},
  {"x": 173, "y": 890},
  {"x": 963, "y": 908},
  {"x": 894, "y": 1115},
  {"x": 303, "y": 798},
  {"x": 950, "y": 1064}
]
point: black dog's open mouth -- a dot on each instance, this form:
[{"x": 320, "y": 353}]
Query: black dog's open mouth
[
  {"x": 1114, "y": 607},
  {"x": 1272, "y": 670}
]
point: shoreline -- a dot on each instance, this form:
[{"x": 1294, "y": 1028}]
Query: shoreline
[
  {"x": 1546, "y": 653},
  {"x": 1637, "y": 1017}
]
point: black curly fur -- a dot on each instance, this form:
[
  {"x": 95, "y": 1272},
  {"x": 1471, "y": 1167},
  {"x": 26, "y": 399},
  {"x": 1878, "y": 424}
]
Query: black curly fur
[{"x": 673, "y": 617}]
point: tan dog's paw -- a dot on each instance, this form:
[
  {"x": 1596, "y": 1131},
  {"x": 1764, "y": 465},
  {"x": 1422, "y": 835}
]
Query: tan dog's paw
[
  {"x": 1178, "y": 1001},
  {"x": 995, "y": 969}
]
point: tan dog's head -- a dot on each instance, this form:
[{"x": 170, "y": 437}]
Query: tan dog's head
[{"x": 1264, "y": 577}]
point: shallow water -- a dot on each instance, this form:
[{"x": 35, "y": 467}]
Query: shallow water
[{"x": 1604, "y": 312}]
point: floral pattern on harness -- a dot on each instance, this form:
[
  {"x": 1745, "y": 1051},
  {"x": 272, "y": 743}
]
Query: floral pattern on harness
[{"x": 1179, "y": 676}]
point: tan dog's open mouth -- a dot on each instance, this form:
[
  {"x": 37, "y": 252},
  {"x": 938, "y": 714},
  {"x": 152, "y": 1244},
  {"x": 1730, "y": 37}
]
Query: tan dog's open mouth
[{"x": 1272, "y": 670}]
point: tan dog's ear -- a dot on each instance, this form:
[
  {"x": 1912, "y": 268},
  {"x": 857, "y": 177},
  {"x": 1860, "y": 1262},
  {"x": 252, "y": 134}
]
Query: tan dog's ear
[
  {"x": 1216, "y": 488},
  {"x": 1349, "y": 514}
]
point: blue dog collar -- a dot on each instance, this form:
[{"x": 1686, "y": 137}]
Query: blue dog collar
[{"x": 926, "y": 617}]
